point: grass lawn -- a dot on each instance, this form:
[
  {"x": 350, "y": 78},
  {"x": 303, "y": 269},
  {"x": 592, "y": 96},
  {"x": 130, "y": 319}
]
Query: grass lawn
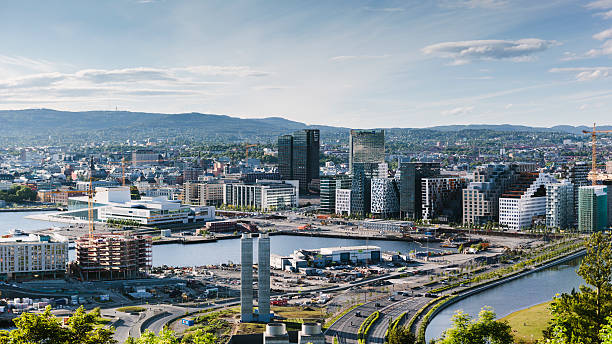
[
  {"x": 527, "y": 324},
  {"x": 131, "y": 309}
]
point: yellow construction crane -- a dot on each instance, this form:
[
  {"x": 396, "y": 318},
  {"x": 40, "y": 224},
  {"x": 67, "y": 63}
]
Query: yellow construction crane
[
  {"x": 247, "y": 153},
  {"x": 90, "y": 204},
  {"x": 594, "y": 176}
]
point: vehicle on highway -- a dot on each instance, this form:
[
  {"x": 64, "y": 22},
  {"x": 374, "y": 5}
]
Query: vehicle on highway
[
  {"x": 358, "y": 314},
  {"x": 378, "y": 305}
]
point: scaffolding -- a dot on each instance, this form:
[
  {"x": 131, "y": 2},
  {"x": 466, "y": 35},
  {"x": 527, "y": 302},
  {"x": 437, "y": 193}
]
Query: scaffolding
[{"x": 113, "y": 256}]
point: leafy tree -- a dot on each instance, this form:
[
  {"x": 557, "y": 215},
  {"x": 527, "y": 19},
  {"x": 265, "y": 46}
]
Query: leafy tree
[
  {"x": 485, "y": 329},
  {"x": 400, "y": 335},
  {"x": 579, "y": 316},
  {"x": 167, "y": 336},
  {"x": 134, "y": 193},
  {"x": 46, "y": 328}
]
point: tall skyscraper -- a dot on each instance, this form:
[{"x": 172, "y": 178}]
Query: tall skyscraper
[
  {"x": 285, "y": 156},
  {"x": 384, "y": 197},
  {"x": 298, "y": 157},
  {"x": 560, "y": 205},
  {"x": 366, "y": 146},
  {"x": 263, "y": 278},
  {"x": 246, "y": 278},
  {"x": 592, "y": 208},
  {"x": 411, "y": 175}
]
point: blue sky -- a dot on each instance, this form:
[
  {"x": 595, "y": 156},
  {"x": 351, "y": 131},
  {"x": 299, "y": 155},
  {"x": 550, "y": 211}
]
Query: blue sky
[{"x": 350, "y": 63}]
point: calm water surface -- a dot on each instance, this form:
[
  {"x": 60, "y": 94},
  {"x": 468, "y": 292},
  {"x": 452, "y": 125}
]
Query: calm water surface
[
  {"x": 17, "y": 220},
  {"x": 507, "y": 298}
]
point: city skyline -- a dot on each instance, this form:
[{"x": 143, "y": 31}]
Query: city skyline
[{"x": 352, "y": 64}]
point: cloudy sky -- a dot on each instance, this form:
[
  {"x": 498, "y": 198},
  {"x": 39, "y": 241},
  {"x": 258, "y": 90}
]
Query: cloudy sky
[{"x": 345, "y": 62}]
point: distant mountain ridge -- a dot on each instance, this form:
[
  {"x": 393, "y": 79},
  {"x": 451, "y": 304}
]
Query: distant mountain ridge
[{"x": 41, "y": 122}]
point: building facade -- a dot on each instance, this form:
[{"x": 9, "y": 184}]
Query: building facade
[
  {"x": 142, "y": 157},
  {"x": 285, "y": 157},
  {"x": 343, "y": 202},
  {"x": 384, "y": 197},
  {"x": 560, "y": 205},
  {"x": 441, "y": 198},
  {"x": 264, "y": 195},
  {"x": 263, "y": 279},
  {"x": 361, "y": 188},
  {"x": 26, "y": 255},
  {"x": 524, "y": 200},
  {"x": 481, "y": 197},
  {"x": 366, "y": 146},
  {"x": 329, "y": 185},
  {"x": 592, "y": 208},
  {"x": 305, "y": 162},
  {"x": 410, "y": 189}
]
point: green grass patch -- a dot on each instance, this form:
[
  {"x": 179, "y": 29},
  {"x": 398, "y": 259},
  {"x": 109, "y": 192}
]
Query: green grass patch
[
  {"x": 131, "y": 309},
  {"x": 527, "y": 324}
]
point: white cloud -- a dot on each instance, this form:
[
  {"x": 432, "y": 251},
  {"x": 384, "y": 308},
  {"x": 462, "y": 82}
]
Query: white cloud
[
  {"x": 385, "y": 9},
  {"x": 508, "y": 106},
  {"x": 474, "y": 3},
  {"x": 358, "y": 57},
  {"x": 458, "y": 111},
  {"x": 599, "y": 5},
  {"x": 605, "y": 15},
  {"x": 586, "y": 73},
  {"x": 606, "y": 34},
  {"x": 463, "y": 52}
]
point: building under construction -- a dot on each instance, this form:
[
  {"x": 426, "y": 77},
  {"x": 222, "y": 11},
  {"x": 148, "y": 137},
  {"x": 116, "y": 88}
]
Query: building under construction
[{"x": 113, "y": 256}]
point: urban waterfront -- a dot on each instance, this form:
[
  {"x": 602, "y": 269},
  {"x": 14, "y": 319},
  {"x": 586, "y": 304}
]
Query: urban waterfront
[{"x": 510, "y": 297}]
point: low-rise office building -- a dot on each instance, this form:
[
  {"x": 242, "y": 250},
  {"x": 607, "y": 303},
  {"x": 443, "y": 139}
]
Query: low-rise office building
[{"x": 264, "y": 195}]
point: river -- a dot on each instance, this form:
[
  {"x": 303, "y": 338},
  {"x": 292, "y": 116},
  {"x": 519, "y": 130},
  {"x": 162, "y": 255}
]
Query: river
[{"x": 515, "y": 295}]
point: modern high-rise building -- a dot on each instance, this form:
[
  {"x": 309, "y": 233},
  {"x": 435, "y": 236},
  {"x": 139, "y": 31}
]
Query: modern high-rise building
[
  {"x": 592, "y": 208},
  {"x": 361, "y": 187},
  {"x": 246, "y": 278},
  {"x": 524, "y": 200},
  {"x": 305, "y": 164},
  {"x": 577, "y": 173},
  {"x": 608, "y": 184},
  {"x": 560, "y": 205},
  {"x": 329, "y": 185},
  {"x": 384, "y": 197},
  {"x": 285, "y": 156},
  {"x": 298, "y": 157},
  {"x": 366, "y": 146},
  {"x": 441, "y": 198},
  {"x": 411, "y": 175},
  {"x": 481, "y": 197},
  {"x": 263, "y": 279}
]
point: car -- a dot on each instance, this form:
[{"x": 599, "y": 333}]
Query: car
[
  {"x": 391, "y": 298},
  {"x": 358, "y": 314},
  {"x": 377, "y": 305}
]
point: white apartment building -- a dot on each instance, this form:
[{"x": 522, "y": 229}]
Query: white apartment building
[
  {"x": 560, "y": 205},
  {"x": 525, "y": 199},
  {"x": 31, "y": 254},
  {"x": 343, "y": 201},
  {"x": 264, "y": 195}
]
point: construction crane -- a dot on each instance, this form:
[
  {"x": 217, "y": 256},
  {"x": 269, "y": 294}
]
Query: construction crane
[
  {"x": 247, "y": 152},
  {"x": 90, "y": 204},
  {"x": 594, "y": 176}
]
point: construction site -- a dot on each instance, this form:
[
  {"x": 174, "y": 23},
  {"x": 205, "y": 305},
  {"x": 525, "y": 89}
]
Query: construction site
[{"x": 112, "y": 256}]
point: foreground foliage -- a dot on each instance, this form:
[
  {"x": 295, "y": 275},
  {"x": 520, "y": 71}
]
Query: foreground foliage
[
  {"x": 580, "y": 316},
  {"x": 46, "y": 328},
  {"x": 483, "y": 330}
]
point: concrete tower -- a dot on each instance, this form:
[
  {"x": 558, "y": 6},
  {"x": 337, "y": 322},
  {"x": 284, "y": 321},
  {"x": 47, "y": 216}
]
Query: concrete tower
[
  {"x": 263, "y": 268},
  {"x": 246, "y": 278}
]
